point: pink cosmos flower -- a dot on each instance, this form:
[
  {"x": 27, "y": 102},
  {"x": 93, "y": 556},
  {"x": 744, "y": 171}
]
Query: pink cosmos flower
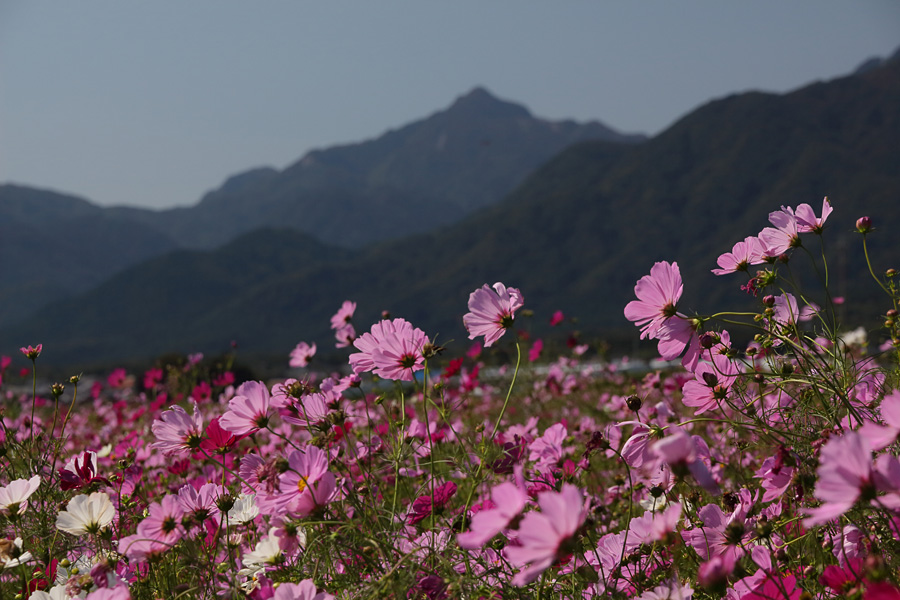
[
  {"x": 845, "y": 475},
  {"x": 509, "y": 500},
  {"x": 680, "y": 451},
  {"x": 343, "y": 315},
  {"x": 491, "y": 312},
  {"x": 344, "y": 336},
  {"x": 711, "y": 384},
  {"x": 200, "y": 505},
  {"x": 657, "y": 295},
  {"x": 31, "y": 352},
  {"x": 392, "y": 350},
  {"x": 307, "y": 484},
  {"x": 784, "y": 236},
  {"x": 547, "y": 536},
  {"x": 656, "y": 314},
  {"x": 742, "y": 255},
  {"x": 535, "y": 352},
  {"x": 880, "y": 437},
  {"x": 305, "y": 590},
  {"x": 176, "y": 432},
  {"x": 557, "y": 318},
  {"x": 806, "y": 218},
  {"x": 301, "y": 355},
  {"x": 248, "y": 410}
]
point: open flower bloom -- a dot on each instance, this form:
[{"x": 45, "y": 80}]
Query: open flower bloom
[
  {"x": 305, "y": 590},
  {"x": 743, "y": 254},
  {"x": 845, "y": 475},
  {"x": 301, "y": 355},
  {"x": 248, "y": 410},
  {"x": 806, "y": 217},
  {"x": 14, "y": 496},
  {"x": 86, "y": 514},
  {"x": 12, "y": 555},
  {"x": 177, "y": 432},
  {"x": 784, "y": 236},
  {"x": 491, "y": 311},
  {"x": 393, "y": 349},
  {"x": 549, "y": 535}
]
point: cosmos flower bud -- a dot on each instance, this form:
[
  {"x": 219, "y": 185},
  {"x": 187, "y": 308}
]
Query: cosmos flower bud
[{"x": 864, "y": 224}]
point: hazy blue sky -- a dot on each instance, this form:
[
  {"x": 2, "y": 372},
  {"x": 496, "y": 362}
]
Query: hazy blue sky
[{"x": 154, "y": 103}]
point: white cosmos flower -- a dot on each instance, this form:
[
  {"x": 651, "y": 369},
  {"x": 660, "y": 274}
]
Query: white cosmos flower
[
  {"x": 14, "y": 497},
  {"x": 267, "y": 551},
  {"x": 244, "y": 509},
  {"x": 11, "y": 554},
  {"x": 86, "y": 514}
]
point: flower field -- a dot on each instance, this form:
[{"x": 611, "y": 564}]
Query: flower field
[{"x": 757, "y": 469}]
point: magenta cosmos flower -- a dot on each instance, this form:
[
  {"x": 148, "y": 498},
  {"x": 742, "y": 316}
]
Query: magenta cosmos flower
[
  {"x": 391, "y": 350},
  {"x": 547, "y": 536},
  {"x": 491, "y": 311}
]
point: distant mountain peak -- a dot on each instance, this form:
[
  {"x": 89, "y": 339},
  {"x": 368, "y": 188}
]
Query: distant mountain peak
[{"x": 479, "y": 102}]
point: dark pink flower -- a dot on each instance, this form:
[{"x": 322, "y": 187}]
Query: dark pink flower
[
  {"x": 491, "y": 312},
  {"x": 32, "y": 352},
  {"x": 425, "y": 506},
  {"x": 535, "y": 352},
  {"x": 557, "y": 318}
]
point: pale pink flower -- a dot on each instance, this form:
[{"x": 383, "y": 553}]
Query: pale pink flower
[
  {"x": 342, "y": 317},
  {"x": 509, "y": 500},
  {"x": 177, "y": 432},
  {"x": 882, "y": 436},
  {"x": 781, "y": 238},
  {"x": 743, "y": 254},
  {"x": 120, "y": 592},
  {"x": 248, "y": 410},
  {"x": 301, "y": 355},
  {"x": 307, "y": 484},
  {"x": 656, "y": 314},
  {"x": 806, "y": 217},
  {"x": 657, "y": 295},
  {"x": 547, "y": 536},
  {"x": 344, "y": 336},
  {"x": 305, "y": 590},
  {"x": 491, "y": 312},
  {"x": 680, "y": 451},
  {"x": 14, "y": 496},
  {"x": 845, "y": 475},
  {"x": 392, "y": 350},
  {"x": 711, "y": 385}
]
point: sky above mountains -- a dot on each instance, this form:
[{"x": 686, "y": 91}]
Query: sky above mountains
[{"x": 153, "y": 104}]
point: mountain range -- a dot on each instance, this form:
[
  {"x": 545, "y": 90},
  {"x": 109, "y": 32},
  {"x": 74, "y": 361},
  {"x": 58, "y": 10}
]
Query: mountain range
[
  {"x": 426, "y": 174},
  {"x": 575, "y": 235}
]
